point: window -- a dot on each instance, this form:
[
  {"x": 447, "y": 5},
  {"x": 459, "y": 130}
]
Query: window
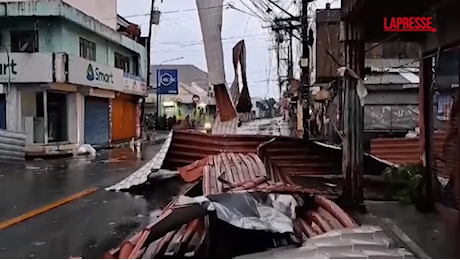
[
  {"x": 136, "y": 65},
  {"x": 24, "y": 41},
  {"x": 395, "y": 50},
  {"x": 87, "y": 49},
  {"x": 122, "y": 62}
]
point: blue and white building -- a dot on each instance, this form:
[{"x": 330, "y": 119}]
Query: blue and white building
[{"x": 69, "y": 76}]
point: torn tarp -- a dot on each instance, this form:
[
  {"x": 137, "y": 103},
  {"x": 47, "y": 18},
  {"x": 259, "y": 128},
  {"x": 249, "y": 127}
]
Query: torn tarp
[
  {"x": 251, "y": 211},
  {"x": 361, "y": 90}
]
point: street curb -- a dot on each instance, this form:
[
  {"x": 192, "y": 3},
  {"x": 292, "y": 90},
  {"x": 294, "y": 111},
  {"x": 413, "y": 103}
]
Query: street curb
[
  {"x": 68, "y": 154},
  {"x": 125, "y": 144}
]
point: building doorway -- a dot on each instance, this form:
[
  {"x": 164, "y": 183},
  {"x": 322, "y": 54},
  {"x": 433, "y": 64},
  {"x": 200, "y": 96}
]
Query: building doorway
[{"x": 57, "y": 115}]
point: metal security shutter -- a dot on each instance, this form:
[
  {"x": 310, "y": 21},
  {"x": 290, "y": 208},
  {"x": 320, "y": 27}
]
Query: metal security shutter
[
  {"x": 2, "y": 111},
  {"x": 97, "y": 121}
]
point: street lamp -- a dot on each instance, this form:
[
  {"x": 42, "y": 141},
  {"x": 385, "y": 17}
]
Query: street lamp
[{"x": 158, "y": 86}]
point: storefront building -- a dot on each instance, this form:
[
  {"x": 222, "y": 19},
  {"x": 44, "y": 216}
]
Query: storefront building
[{"x": 70, "y": 84}]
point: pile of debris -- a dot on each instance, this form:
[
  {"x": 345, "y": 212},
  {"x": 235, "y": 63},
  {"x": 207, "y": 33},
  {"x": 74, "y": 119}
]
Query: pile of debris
[{"x": 232, "y": 207}]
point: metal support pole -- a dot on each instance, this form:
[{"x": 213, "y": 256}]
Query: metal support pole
[{"x": 158, "y": 95}]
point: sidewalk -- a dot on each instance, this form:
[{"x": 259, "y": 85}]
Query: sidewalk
[{"x": 426, "y": 233}]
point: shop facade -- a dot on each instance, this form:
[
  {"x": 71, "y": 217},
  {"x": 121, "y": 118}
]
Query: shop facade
[
  {"x": 110, "y": 101},
  {"x": 62, "y": 101}
]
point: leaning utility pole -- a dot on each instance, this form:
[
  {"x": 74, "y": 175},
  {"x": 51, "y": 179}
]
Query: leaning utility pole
[
  {"x": 305, "y": 65},
  {"x": 148, "y": 43}
]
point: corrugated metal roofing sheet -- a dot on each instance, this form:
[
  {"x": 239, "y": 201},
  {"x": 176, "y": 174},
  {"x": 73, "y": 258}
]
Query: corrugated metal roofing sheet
[
  {"x": 385, "y": 79},
  {"x": 268, "y": 127},
  {"x": 225, "y": 128},
  {"x": 228, "y": 173},
  {"x": 386, "y": 64},
  {"x": 366, "y": 242},
  {"x": 405, "y": 151},
  {"x": 288, "y": 155},
  {"x": 141, "y": 175}
]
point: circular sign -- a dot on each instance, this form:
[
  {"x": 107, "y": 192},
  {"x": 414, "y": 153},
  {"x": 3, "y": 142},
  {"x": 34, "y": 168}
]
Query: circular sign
[{"x": 167, "y": 79}]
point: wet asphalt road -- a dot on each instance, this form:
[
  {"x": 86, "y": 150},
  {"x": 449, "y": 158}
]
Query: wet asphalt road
[{"x": 88, "y": 226}]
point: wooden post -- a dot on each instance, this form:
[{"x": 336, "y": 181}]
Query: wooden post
[
  {"x": 346, "y": 164},
  {"x": 456, "y": 174},
  {"x": 345, "y": 110},
  {"x": 352, "y": 156},
  {"x": 427, "y": 129},
  {"x": 358, "y": 169}
]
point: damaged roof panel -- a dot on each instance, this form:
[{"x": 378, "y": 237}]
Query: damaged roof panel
[
  {"x": 289, "y": 155},
  {"x": 230, "y": 173}
]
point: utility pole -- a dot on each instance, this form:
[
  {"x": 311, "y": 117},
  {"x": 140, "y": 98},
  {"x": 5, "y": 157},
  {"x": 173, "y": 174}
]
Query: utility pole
[
  {"x": 280, "y": 86},
  {"x": 149, "y": 41},
  {"x": 305, "y": 65},
  {"x": 283, "y": 27},
  {"x": 290, "y": 56}
]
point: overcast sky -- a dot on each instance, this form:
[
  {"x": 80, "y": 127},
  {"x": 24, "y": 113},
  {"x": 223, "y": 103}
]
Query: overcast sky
[{"x": 179, "y": 35}]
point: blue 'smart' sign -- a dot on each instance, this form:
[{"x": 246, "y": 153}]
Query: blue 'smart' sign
[{"x": 168, "y": 81}]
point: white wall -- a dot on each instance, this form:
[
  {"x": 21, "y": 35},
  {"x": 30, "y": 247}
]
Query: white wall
[
  {"x": 104, "y": 11},
  {"x": 13, "y": 110},
  {"x": 75, "y": 115}
]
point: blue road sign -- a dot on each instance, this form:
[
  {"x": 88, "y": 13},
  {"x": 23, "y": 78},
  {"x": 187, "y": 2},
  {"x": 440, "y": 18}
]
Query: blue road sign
[{"x": 169, "y": 82}]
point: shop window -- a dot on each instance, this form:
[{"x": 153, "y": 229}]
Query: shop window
[
  {"x": 87, "y": 49},
  {"x": 122, "y": 62},
  {"x": 24, "y": 41}
]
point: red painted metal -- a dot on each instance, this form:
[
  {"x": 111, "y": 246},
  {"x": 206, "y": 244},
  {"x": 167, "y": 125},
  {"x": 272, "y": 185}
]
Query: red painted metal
[
  {"x": 125, "y": 250},
  {"x": 335, "y": 211},
  {"x": 406, "y": 151},
  {"x": 135, "y": 252},
  {"x": 228, "y": 164},
  {"x": 236, "y": 172}
]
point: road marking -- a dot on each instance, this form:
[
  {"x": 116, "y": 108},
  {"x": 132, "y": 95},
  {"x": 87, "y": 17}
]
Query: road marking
[{"x": 45, "y": 208}]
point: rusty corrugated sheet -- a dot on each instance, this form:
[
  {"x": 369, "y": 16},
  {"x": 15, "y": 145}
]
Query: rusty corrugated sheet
[
  {"x": 406, "y": 151},
  {"x": 397, "y": 150},
  {"x": 226, "y": 110},
  {"x": 243, "y": 100},
  {"x": 225, "y": 128},
  {"x": 229, "y": 104},
  {"x": 187, "y": 147},
  {"x": 233, "y": 172},
  {"x": 290, "y": 155}
]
